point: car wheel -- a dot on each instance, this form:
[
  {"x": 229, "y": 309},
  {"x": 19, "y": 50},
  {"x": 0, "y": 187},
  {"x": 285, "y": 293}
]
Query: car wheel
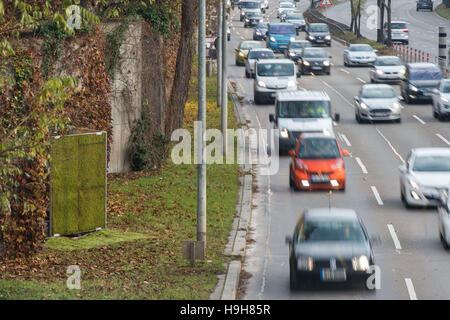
[
  {"x": 441, "y": 117},
  {"x": 247, "y": 75},
  {"x": 399, "y": 120},
  {"x": 357, "y": 117},
  {"x": 293, "y": 282},
  {"x": 328, "y": 72},
  {"x": 407, "y": 99},
  {"x": 435, "y": 114},
  {"x": 256, "y": 98}
]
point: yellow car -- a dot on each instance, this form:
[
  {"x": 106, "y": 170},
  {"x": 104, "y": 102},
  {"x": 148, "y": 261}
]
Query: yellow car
[{"x": 243, "y": 49}]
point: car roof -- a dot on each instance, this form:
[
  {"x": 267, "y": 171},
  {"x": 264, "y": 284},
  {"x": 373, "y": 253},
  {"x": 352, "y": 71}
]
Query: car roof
[
  {"x": 376, "y": 85},
  {"x": 389, "y": 57},
  {"x": 422, "y": 65},
  {"x": 322, "y": 135},
  {"x": 280, "y": 23},
  {"x": 331, "y": 214},
  {"x": 359, "y": 44},
  {"x": 431, "y": 151},
  {"x": 276, "y": 61},
  {"x": 300, "y": 95},
  {"x": 262, "y": 49},
  {"x": 399, "y": 21}
]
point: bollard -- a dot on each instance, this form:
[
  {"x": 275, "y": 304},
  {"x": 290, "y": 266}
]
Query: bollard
[
  {"x": 419, "y": 56},
  {"x": 428, "y": 57},
  {"x": 442, "y": 48},
  {"x": 415, "y": 55}
]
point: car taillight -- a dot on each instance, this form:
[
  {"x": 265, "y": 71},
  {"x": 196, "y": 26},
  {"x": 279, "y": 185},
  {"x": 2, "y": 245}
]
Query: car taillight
[{"x": 405, "y": 31}]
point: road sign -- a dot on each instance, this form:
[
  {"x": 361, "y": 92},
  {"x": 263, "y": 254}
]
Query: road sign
[{"x": 326, "y": 3}]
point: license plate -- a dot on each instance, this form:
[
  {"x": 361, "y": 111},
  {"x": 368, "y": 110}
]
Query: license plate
[
  {"x": 333, "y": 275},
  {"x": 317, "y": 68},
  {"x": 381, "y": 114},
  {"x": 316, "y": 178},
  {"x": 319, "y": 40}
]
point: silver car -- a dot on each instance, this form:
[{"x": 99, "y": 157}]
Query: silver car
[
  {"x": 441, "y": 100},
  {"x": 424, "y": 175},
  {"x": 387, "y": 69},
  {"x": 377, "y": 102},
  {"x": 444, "y": 218},
  {"x": 253, "y": 56},
  {"x": 272, "y": 76},
  {"x": 399, "y": 32},
  {"x": 359, "y": 54},
  {"x": 283, "y": 6}
]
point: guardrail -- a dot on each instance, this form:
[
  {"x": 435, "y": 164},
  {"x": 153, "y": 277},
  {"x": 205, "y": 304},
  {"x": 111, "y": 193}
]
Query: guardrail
[{"x": 333, "y": 24}]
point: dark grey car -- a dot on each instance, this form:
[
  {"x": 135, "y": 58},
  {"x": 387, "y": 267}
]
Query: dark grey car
[
  {"x": 420, "y": 81},
  {"x": 314, "y": 60},
  {"x": 318, "y": 33}
]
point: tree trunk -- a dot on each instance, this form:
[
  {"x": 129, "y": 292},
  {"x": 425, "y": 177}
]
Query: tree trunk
[
  {"x": 389, "y": 28},
  {"x": 180, "y": 88},
  {"x": 352, "y": 12}
]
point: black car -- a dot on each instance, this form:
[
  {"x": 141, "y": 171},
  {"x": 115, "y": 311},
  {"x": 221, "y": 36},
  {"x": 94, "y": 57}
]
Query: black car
[
  {"x": 252, "y": 19},
  {"x": 420, "y": 81},
  {"x": 329, "y": 245},
  {"x": 424, "y": 4},
  {"x": 318, "y": 33},
  {"x": 314, "y": 60},
  {"x": 295, "y": 49},
  {"x": 259, "y": 32}
]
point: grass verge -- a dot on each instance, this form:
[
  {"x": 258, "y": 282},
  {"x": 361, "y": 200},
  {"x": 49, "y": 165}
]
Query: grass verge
[
  {"x": 443, "y": 11},
  {"x": 150, "y": 214}
]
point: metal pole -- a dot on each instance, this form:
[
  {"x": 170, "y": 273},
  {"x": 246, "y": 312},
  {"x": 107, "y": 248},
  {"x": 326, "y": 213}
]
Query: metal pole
[
  {"x": 220, "y": 35},
  {"x": 201, "y": 167},
  {"x": 442, "y": 48},
  {"x": 224, "y": 95}
]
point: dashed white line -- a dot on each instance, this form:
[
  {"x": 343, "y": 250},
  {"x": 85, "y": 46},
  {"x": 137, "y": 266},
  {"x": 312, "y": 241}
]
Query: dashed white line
[
  {"x": 346, "y": 140},
  {"x": 361, "y": 80},
  {"x": 391, "y": 146},
  {"x": 418, "y": 119},
  {"x": 343, "y": 70},
  {"x": 363, "y": 167},
  {"x": 394, "y": 237},
  {"x": 345, "y": 99},
  {"x": 377, "y": 195},
  {"x": 442, "y": 138},
  {"x": 410, "y": 287}
]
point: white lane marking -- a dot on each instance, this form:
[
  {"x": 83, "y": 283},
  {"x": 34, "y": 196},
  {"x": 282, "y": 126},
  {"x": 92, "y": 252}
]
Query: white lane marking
[
  {"x": 345, "y": 99},
  {"x": 394, "y": 237},
  {"x": 410, "y": 287},
  {"x": 346, "y": 140},
  {"x": 361, "y": 80},
  {"x": 343, "y": 70},
  {"x": 391, "y": 146},
  {"x": 242, "y": 38},
  {"x": 442, "y": 138},
  {"x": 377, "y": 195},
  {"x": 418, "y": 119},
  {"x": 363, "y": 167}
]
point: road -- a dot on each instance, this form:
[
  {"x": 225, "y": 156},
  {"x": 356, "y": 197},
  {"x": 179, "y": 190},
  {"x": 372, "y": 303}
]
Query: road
[
  {"x": 423, "y": 25},
  {"x": 412, "y": 260}
]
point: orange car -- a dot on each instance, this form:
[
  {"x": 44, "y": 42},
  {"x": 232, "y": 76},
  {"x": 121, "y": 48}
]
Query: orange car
[{"x": 317, "y": 163}]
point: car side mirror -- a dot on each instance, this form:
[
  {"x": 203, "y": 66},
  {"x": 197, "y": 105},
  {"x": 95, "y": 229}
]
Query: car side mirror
[
  {"x": 375, "y": 50},
  {"x": 337, "y": 117},
  {"x": 299, "y": 74},
  {"x": 288, "y": 240},
  {"x": 267, "y": 33},
  {"x": 400, "y": 98},
  {"x": 330, "y": 57},
  {"x": 271, "y": 117},
  {"x": 292, "y": 153},
  {"x": 346, "y": 153},
  {"x": 356, "y": 98},
  {"x": 402, "y": 168}
]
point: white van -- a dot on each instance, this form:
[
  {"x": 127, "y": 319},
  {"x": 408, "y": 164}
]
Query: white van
[{"x": 297, "y": 112}]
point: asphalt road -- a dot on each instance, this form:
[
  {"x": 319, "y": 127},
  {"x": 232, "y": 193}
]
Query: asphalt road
[
  {"x": 415, "y": 266},
  {"x": 423, "y": 26}
]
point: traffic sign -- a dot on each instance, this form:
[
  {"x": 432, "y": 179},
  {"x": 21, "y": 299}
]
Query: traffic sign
[{"x": 326, "y": 3}]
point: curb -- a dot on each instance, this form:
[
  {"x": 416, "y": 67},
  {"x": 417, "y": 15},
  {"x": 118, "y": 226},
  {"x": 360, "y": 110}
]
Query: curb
[{"x": 228, "y": 284}]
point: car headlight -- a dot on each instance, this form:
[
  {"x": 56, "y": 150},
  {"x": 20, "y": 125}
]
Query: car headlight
[
  {"x": 284, "y": 133},
  {"x": 326, "y": 63},
  {"x": 445, "y": 100},
  {"x": 241, "y": 54},
  {"x": 328, "y": 38},
  {"x": 261, "y": 84},
  {"x": 273, "y": 39},
  {"x": 402, "y": 71},
  {"x": 311, "y": 37},
  {"x": 411, "y": 87},
  {"x": 380, "y": 72},
  {"x": 258, "y": 33},
  {"x": 292, "y": 84},
  {"x": 292, "y": 39},
  {"x": 396, "y": 106},
  {"x": 242, "y": 13},
  {"x": 306, "y": 63},
  {"x": 413, "y": 184},
  {"x": 305, "y": 263},
  {"x": 292, "y": 54},
  {"x": 364, "y": 106},
  {"x": 360, "y": 263},
  {"x": 247, "y": 20}
]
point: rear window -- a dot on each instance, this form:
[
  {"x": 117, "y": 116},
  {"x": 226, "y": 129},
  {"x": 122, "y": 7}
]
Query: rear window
[
  {"x": 425, "y": 74},
  {"x": 399, "y": 26}
]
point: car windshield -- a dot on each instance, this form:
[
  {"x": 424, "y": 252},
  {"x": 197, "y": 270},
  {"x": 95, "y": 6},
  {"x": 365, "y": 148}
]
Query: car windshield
[
  {"x": 314, "y": 53},
  {"x": 250, "y": 5},
  {"x": 425, "y": 74},
  {"x": 378, "y": 93},
  {"x": 318, "y": 28},
  {"x": 362, "y": 47},
  {"x": 294, "y": 17},
  {"x": 285, "y": 5},
  {"x": 261, "y": 55},
  {"x": 275, "y": 69},
  {"x": 304, "y": 109},
  {"x": 254, "y": 15},
  {"x": 398, "y": 25},
  {"x": 282, "y": 29},
  {"x": 300, "y": 45},
  {"x": 322, "y": 230},
  {"x": 319, "y": 148},
  {"x": 251, "y": 45},
  {"x": 432, "y": 164},
  {"x": 446, "y": 87},
  {"x": 388, "y": 61}
]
